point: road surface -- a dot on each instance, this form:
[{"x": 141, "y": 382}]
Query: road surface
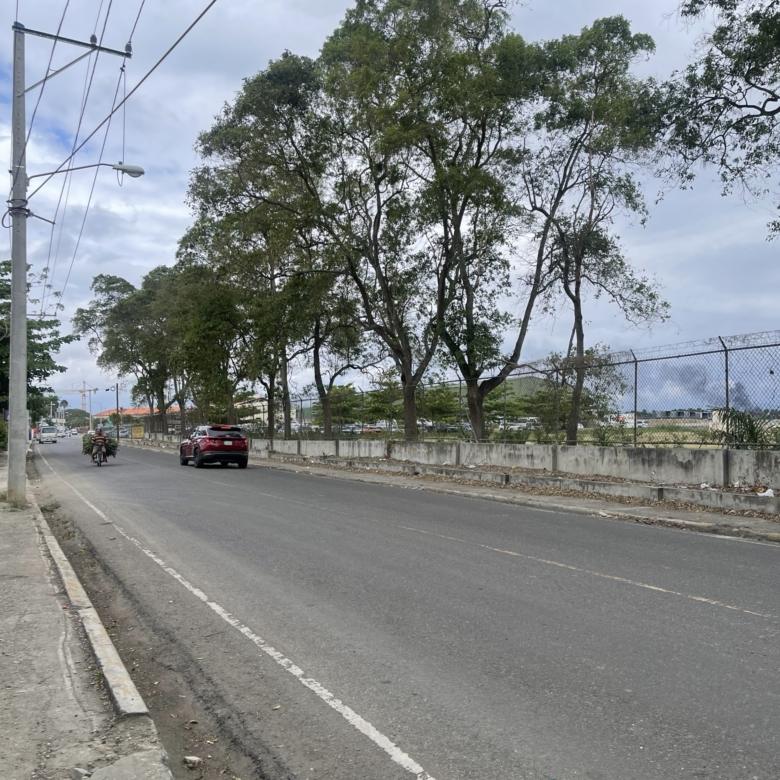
[{"x": 367, "y": 631}]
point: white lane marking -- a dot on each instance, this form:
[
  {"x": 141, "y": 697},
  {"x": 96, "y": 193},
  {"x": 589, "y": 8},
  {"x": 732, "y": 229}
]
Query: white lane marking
[
  {"x": 361, "y": 724},
  {"x": 592, "y": 573}
]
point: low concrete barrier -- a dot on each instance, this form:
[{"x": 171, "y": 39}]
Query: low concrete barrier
[
  {"x": 523, "y": 456},
  {"x": 366, "y": 448},
  {"x": 660, "y": 465},
  {"x": 754, "y": 467},
  {"x": 657, "y": 466},
  {"x": 433, "y": 453},
  {"x": 259, "y": 447},
  {"x": 289, "y": 447},
  {"x": 318, "y": 448}
]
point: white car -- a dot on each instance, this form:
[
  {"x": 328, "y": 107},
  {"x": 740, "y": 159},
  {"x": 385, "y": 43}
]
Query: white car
[{"x": 47, "y": 433}]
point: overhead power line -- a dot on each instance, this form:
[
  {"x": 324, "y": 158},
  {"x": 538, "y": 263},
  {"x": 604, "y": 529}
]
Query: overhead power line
[
  {"x": 48, "y": 286},
  {"x": 91, "y": 193},
  {"x": 89, "y": 77},
  {"x": 40, "y": 91},
  {"x": 127, "y": 97}
]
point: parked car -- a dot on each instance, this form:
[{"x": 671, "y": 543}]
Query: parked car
[
  {"x": 48, "y": 434},
  {"x": 124, "y": 433},
  {"x": 223, "y": 444}
]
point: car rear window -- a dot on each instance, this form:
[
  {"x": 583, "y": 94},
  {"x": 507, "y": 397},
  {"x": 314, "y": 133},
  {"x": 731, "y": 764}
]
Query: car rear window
[
  {"x": 230, "y": 431},
  {"x": 47, "y": 429}
]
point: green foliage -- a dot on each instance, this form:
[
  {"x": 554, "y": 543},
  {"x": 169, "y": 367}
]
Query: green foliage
[
  {"x": 521, "y": 436},
  {"x": 743, "y": 430},
  {"x": 111, "y": 445},
  {"x": 347, "y": 406},
  {"x": 132, "y": 331},
  {"x": 724, "y": 108},
  {"x": 439, "y": 403},
  {"x": 3, "y": 435},
  {"x": 76, "y": 418},
  {"x": 384, "y": 402},
  {"x": 43, "y": 343}
]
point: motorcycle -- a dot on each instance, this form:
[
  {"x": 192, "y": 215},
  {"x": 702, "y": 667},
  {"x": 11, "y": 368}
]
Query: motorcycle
[{"x": 99, "y": 455}]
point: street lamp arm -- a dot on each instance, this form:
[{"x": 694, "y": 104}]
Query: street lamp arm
[{"x": 131, "y": 170}]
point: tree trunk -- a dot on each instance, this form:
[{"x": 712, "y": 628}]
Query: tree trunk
[
  {"x": 325, "y": 404},
  {"x": 286, "y": 409},
  {"x": 270, "y": 411},
  {"x": 410, "y": 412},
  {"x": 579, "y": 377},
  {"x": 476, "y": 407},
  {"x": 327, "y": 415}
]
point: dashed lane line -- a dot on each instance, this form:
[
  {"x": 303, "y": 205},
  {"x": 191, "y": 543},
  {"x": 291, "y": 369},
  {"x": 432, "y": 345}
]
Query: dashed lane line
[
  {"x": 592, "y": 573},
  {"x": 353, "y": 718}
]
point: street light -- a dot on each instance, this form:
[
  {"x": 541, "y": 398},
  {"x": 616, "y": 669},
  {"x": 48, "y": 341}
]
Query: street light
[
  {"x": 19, "y": 212},
  {"x": 131, "y": 170},
  {"x": 118, "y": 412}
]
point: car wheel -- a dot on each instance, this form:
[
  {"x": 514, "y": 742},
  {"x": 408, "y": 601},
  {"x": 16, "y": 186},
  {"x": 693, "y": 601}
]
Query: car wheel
[
  {"x": 182, "y": 460},
  {"x": 198, "y": 460},
  {"x": 242, "y": 464}
]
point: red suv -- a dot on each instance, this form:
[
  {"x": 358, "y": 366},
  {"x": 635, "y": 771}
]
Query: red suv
[{"x": 223, "y": 444}]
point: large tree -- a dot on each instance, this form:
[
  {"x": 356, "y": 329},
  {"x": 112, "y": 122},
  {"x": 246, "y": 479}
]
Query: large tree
[
  {"x": 129, "y": 329},
  {"x": 724, "y": 108},
  {"x": 600, "y": 124},
  {"x": 43, "y": 343}
]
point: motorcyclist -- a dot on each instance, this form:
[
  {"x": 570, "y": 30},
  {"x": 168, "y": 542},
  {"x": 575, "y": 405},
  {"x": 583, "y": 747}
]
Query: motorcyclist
[{"x": 99, "y": 441}]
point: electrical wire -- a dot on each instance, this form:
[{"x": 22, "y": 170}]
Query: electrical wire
[
  {"x": 91, "y": 193},
  {"x": 135, "y": 24},
  {"x": 121, "y": 80},
  {"x": 23, "y": 156},
  {"x": 89, "y": 77},
  {"x": 127, "y": 97}
]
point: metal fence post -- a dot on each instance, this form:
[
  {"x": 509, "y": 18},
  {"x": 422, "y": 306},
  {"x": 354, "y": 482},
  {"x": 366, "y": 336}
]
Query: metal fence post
[
  {"x": 503, "y": 433},
  {"x": 728, "y": 401},
  {"x": 460, "y": 401},
  {"x": 636, "y": 385}
]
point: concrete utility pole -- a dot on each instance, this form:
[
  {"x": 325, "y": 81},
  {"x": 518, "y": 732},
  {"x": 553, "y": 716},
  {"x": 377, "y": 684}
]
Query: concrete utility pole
[
  {"x": 17, "y": 376},
  {"x": 17, "y": 379}
]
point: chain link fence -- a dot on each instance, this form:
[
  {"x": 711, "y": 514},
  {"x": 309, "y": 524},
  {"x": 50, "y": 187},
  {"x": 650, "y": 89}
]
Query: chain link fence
[{"x": 719, "y": 392}]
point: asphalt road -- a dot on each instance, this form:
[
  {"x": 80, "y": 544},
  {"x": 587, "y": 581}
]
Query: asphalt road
[{"x": 362, "y": 631}]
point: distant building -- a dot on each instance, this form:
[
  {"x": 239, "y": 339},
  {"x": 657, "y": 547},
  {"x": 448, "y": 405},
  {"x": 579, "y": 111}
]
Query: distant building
[
  {"x": 139, "y": 413},
  {"x": 687, "y": 414}
]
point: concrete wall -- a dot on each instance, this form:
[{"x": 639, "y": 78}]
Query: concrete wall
[
  {"x": 434, "y": 453},
  {"x": 286, "y": 447},
  {"x": 367, "y": 448},
  {"x": 644, "y": 464},
  {"x": 259, "y": 447},
  {"x": 318, "y": 449},
  {"x": 662, "y": 466},
  {"x": 754, "y": 467},
  {"x": 521, "y": 456}
]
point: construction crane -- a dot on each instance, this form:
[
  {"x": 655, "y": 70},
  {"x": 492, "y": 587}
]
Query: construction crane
[{"x": 85, "y": 392}]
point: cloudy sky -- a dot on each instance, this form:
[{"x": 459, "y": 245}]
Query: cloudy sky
[{"x": 708, "y": 253}]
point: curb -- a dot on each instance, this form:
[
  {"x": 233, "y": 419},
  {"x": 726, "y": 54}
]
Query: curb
[
  {"x": 720, "y": 529},
  {"x": 125, "y": 696}
]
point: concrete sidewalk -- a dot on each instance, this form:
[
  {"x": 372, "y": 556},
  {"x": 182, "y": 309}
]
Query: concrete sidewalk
[{"x": 59, "y": 718}]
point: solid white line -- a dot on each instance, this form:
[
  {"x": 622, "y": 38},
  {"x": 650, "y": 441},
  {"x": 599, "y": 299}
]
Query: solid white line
[
  {"x": 590, "y": 572},
  {"x": 352, "y": 717}
]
